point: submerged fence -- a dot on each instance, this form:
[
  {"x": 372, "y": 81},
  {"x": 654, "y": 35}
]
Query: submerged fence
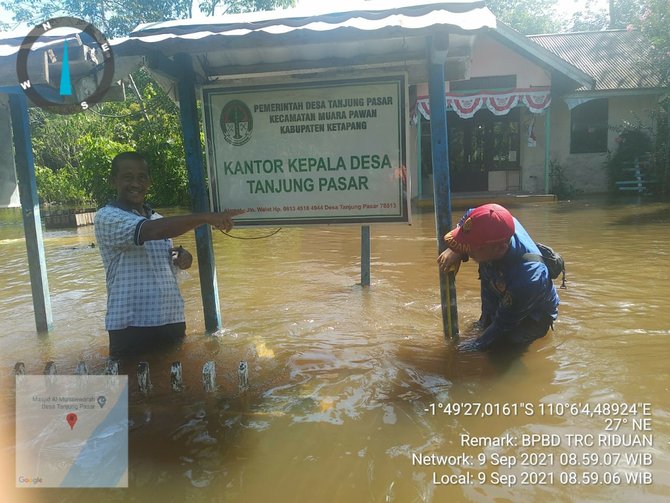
[{"x": 144, "y": 374}]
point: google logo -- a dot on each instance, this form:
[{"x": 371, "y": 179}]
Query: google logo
[{"x": 33, "y": 481}]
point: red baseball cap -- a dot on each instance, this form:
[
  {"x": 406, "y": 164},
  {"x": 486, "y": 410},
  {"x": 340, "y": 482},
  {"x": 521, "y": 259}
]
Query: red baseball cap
[{"x": 486, "y": 224}]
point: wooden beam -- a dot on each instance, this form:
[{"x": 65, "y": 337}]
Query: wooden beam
[
  {"x": 321, "y": 65},
  {"x": 30, "y": 208},
  {"x": 163, "y": 65}
]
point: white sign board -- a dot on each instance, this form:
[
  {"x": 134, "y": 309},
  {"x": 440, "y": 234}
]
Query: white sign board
[{"x": 309, "y": 153}]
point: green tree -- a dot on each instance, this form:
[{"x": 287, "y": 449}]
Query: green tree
[
  {"x": 591, "y": 18},
  {"x": 618, "y": 14},
  {"x": 211, "y": 7},
  {"x": 653, "y": 21},
  {"x": 115, "y": 18},
  {"x": 77, "y": 150},
  {"x": 624, "y": 12},
  {"x": 526, "y": 16},
  {"x": 112, "y": 17},
  {"x": 74, "y": 152},
  {"x": 61, "y": 188}
]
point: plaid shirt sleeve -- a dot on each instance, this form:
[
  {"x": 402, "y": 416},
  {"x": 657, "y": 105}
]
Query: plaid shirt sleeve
[{"x": 116, "y": 228}]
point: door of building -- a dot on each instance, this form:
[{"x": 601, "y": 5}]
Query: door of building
[
  {"x": 477, "y": 146},
  {"x": 484, "y": 143}
]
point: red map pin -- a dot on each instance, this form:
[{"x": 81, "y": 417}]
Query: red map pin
[{"x": 71, "y": 419}]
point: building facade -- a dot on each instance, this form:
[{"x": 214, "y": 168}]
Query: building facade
[{"x": 532, "y": 104}]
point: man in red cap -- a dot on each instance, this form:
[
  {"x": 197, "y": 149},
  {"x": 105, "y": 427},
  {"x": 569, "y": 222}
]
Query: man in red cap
[{"x": 519, "y": 301}]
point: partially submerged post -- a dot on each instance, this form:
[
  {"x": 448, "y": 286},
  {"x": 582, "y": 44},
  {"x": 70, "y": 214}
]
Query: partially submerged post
[
  {"x": 50, "y": 373},
  {"x": 112, "y": 368},
  {"x": 143, "y": 377},
  {"x": 209, "y": 376},
  {"x": 50, "y": 369},
  {"x": 82, "y": 369},
  {"x": 176, "y": 380},
  {"x": 243, "y": 376},
  {"x": 365, "y": 255}
]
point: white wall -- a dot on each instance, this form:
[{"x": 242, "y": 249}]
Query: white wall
[
  {"x": 532, "y": 158},
  {"x": 490, "y": 57}
]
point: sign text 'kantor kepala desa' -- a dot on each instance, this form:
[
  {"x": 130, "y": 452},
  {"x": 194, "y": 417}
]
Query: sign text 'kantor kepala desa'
[{"x": 314, "y": 152}]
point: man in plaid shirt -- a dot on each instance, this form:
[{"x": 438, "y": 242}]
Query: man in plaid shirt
[{"x": 144, "y": 306}]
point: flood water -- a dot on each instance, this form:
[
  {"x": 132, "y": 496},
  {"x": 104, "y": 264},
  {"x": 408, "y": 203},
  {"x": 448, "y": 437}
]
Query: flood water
[{"x": 344, "y": 379}]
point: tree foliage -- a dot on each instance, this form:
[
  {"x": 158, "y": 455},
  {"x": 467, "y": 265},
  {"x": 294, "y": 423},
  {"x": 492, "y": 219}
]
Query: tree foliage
[
  {"x": 592, "y": 18},
  {"x": 219, "y": 7},
  {"x": 526, "y": 16},
  {"x": 116, "y": 18},
  {"x": 653, "y": 21},
  {"x": 73, "y": 153},
  {"x": 619, "y": 14}
]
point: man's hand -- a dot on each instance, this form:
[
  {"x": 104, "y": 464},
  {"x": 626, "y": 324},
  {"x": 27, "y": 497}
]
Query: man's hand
[
  {"x": 469, "y": 345},
  {"x": 181, "y": 257},
  {"x": 171, "y": 227},
  {"x": 224, "y": 220},
  {"x": 449, "y": 261}
]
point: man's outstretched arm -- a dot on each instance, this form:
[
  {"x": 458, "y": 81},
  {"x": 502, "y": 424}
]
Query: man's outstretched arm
[{"x": 170, "y": 227}]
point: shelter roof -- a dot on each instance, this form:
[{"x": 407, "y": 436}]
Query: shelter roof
[{"x": 385, "y": 34}]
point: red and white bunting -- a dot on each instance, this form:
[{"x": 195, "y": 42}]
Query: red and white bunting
[
  {"x": 498, "y": 102},
  {"x": 501, "y": 104},
  {"x": 536, "y": 101},
  {"x": 465, "y": 106}
]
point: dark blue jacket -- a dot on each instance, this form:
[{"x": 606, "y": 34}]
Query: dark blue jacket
[{"x": 514, "y": 290}]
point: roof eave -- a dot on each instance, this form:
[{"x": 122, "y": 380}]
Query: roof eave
[{"x": 609, "y": 93}]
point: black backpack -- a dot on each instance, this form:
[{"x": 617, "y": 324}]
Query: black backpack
[{"x": 554, "y": 262}]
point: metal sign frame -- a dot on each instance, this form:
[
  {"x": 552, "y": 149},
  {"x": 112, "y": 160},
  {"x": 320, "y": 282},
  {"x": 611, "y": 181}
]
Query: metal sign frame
[{"x": 235, "y": 106}]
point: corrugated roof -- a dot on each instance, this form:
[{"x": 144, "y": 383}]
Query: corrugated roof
[{"x": 614, "y": 58}]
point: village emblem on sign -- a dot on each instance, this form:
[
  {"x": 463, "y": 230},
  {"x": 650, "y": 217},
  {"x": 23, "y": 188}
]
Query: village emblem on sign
[{"x": 236, "y": 123}]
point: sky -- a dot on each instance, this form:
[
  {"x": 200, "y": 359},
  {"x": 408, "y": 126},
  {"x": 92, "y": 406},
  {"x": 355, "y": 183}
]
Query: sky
[{"x": 565, "y": 7}]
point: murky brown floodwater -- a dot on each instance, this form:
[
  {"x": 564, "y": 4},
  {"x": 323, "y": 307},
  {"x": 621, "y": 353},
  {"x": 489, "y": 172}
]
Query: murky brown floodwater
[{"x": 341, "y": 376}]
